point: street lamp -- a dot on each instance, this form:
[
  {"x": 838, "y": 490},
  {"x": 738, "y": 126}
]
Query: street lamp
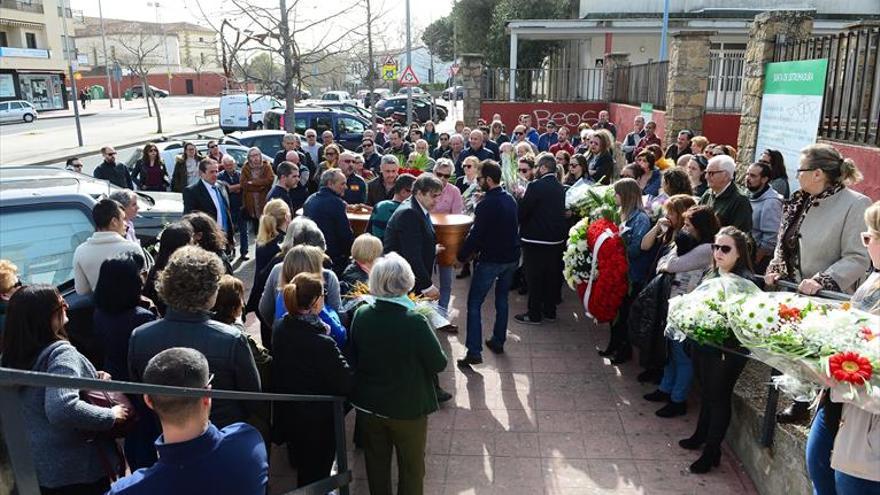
[{"x": 164, "y": 45}]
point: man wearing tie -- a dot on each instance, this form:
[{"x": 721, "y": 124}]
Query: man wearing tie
[{"x": 209, "y": 196}]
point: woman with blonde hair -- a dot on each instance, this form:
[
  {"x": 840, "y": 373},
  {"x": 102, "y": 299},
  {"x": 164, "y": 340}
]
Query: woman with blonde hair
[
  {"x": 9, "y": 283},
  {"x": 273, "y": 225},
  {"x": 365, "y": 249},
  {"x": 331, "y": 160},
  {"x": 819, "y": 244},
  {"x": 600, "y": 167}
]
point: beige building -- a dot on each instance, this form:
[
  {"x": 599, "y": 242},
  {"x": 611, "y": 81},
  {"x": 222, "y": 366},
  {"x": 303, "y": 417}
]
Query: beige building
[{"x": 32, "y": 58}]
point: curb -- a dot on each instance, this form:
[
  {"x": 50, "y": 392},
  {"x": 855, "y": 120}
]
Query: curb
[
  {"x": 53, "y": 117},
  {"x": 91, "y": 151}
]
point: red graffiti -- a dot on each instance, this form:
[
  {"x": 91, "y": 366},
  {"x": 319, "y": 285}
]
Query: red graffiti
[{"x": 572, "y": 119}]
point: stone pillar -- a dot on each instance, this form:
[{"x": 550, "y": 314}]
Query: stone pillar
[
  {"x": 687, "y": 83},
  {"x": 471, "y": 73},
  {"x": 793, "y": 24},
  {"x": 612, "y": 61}
]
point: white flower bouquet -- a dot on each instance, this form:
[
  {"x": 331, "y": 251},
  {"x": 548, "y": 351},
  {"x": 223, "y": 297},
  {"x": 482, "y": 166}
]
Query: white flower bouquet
[
  {"x": 704, "y": 314},
  {"x": 588, "y": 201}
]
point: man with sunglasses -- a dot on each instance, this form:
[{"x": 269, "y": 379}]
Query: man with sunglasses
[
  {"x": 372, "y": 154},
  {"x": 442, "y": 146},
  {"x": 355, "y": 186},
  {"x": 312, "y": 147},
  {"x": 74, "y": 165},
  {"x": 112, "y": 172},
  {"x": 520, "y": 136},
  {"x": 549, "y": 138},
  {"x": 195, "y": 455},
  {"x": 730, "y": 205},
  {"x": 214, "y": 151}
]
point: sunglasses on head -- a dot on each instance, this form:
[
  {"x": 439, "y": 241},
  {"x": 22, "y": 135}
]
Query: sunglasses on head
[{"x": 721, "y": 247}]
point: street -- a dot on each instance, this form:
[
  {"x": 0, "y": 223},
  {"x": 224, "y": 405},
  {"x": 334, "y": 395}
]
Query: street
[{"x": 45, "y": 139}]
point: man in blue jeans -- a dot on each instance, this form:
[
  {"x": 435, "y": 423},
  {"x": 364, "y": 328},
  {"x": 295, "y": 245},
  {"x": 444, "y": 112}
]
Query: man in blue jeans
[{"x": 494, "y": 241}]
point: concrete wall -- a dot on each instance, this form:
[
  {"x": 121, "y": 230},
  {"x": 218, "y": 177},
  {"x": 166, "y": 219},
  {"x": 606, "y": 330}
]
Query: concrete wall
[
  {"x": 568, "y": 114},
  {"x": 622, "y": 115},
  {"x": 867, "y": 160},
  {"x": 678, "y": 6},
  {"x": 209, "y": 84},
  {"x": 91, "y": 45}
]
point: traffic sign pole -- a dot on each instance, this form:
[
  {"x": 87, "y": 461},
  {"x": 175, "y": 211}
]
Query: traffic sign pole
[{"x": 408, "y": 67}]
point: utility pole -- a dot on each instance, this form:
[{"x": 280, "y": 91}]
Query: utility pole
[
  {"x": 371, "y": 73},
  {"x": 454, "y": 61},
  {"x": 664, "y": 30},
  {"x": 408, "y": 67},
  {"x": 64, "y": 9},
  {"x": 164, "y": 45},
  {"x": 106, "y": 60}
]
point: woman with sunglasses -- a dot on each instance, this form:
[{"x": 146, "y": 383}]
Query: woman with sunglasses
[
  {"x": 577, "y": 172},
  {"x": 496, "y": 132},
  {"x": 718, "y": 370},
  {"x": 842, "y": 454},
  {"x": 818, "y": 246},
  {"x": 149, "y": 172},
  {"x": 60, "y": 425},
  {"x": 331, "y": 160},
  {"x": 186, "y": 168}
]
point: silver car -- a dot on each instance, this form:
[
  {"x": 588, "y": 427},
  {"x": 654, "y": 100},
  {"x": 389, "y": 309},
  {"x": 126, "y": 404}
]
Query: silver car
[{"x": 17, "y": 111}]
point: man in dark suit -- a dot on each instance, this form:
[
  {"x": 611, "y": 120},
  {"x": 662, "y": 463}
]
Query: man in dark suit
[
  {"x": 210, "y": 196},
  {"x": 327, "y": 209},
  {"x": 411, "y": 234},
  {"x": 543, "y": 232}
]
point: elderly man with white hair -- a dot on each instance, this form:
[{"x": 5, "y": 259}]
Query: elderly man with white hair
[
  {"x": 730, "y": 205},
  {"x": 476, "y": 147},
  {"x": 128, "y": 199}
]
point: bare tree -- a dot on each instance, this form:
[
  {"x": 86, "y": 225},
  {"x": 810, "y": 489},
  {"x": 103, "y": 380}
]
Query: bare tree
[
  {"x": 138, "y": 47},
  {"x": 198, "y": 65}
]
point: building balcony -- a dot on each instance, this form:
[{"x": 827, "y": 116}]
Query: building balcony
[
  {"x": 25, "y": 6},
  {"x": 14, "y": 52}
]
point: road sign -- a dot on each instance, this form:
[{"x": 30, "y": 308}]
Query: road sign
[
  {"x": 409, "y": 78},
  {"x": 389, "y": 60},
  {"x": 389, "y": 72},
  {"x": 117, "y": 73},
  {"x": 453, "y": 69}
]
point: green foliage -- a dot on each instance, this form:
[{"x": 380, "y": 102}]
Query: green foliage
[
  {"x": 530, "y": 53},
  {"x": 472, "y": 19},
  {"x": 438, "y": 38}
]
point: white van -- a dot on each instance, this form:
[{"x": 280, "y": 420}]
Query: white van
[{"x": 244, "y": 111}]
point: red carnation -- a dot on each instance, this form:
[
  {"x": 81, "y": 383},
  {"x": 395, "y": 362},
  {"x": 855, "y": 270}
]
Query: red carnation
[
  {"x": 850, "y": 367},
  {"x": 610, "y": 286}
]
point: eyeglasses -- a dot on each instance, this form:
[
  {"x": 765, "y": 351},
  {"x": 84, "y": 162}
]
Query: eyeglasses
[
  {"x": 367, "y": 145},
  {"x": 710, "y": 173},
  {"x": 805, "y": 170},
  {"x": 723, "y": 248},
  {"x": 330, "y": 153},
  {"x": 518, "y": 133},
  {"x": 348, "y": 160},
  {"x": 77, "y": 166},
  {"x": 156, "y": 151},
  {"x": 717, "y": 153},
  {"x": 442, "y": 176},
  {"x": 866, "y": 238},
  {"x": 212, "y": 146},
  {"x": 523, "y": 170},
  {"x": 210, "y": 379},
  {"x": 467, "y": 166},
  {"x": 111, "y": 154}
]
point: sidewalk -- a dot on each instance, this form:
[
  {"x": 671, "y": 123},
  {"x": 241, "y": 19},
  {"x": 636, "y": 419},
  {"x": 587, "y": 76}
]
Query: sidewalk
[
  {"x": 93, "y": 107},
  {"x": 547, "y": 417}
]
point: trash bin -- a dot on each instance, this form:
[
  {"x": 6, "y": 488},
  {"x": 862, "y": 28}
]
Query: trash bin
[
  {"x": 97, "y": 92},
  {"x": 127, "y": 95}
]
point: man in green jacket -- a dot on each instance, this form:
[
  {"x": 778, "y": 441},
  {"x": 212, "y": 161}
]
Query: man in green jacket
[{"x": 730, "y": 205}]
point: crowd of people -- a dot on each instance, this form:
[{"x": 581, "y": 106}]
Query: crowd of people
[{"x": 685, "y": 217}]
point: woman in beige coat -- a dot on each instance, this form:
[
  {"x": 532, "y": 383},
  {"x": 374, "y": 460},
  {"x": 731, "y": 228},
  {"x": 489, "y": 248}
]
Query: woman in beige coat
[{"x": 819, "y": 245}]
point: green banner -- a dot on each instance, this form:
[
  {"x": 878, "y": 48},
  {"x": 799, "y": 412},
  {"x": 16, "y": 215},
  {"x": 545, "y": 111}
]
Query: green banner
[{"x": 802, "y": 77}]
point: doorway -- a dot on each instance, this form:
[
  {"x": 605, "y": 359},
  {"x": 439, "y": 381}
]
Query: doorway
[{"x": 189, "y": 87}]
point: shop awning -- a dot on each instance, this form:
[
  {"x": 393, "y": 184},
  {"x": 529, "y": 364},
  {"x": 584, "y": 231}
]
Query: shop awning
[{"x": 22, "y": 24}]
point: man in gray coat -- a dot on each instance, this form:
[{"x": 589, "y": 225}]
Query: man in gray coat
[{"x": 766, "y": 213}]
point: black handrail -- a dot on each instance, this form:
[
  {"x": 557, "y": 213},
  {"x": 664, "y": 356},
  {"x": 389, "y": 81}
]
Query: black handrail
[{"x": 18, "y": 445}]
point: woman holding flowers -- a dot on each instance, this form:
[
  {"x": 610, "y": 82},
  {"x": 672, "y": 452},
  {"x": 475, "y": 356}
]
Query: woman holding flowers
[
  {"x": 842, "y": 453},
  {"x": 716, "y": 369},
  {"x": 819, "y": 246},
  {"x": 634, "y": 225},
  {"x": 687, "y": 261}
]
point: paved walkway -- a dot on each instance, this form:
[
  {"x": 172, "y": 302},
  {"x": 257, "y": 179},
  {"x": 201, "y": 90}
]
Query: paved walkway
[{"x": 550, "y": 417}]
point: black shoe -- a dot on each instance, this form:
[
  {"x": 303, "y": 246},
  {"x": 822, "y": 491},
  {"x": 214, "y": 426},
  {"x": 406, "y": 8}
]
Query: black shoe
[
  {"x": 525, "y": 320},
  {"x": 711, "y": 458},
  {"x": 657, "y": 396},
  {"x": 494, "y": 347},
  {"x": 649, "y": 375},
  {"x": 797, "y": 412},
  {"x": 442, "y": 395},
  {"x": 469, "y": 360},
  {"x": 692, "y": 443},
  {"x": 244, "y": 256},
  {"x": 449, "y": 328},
  {"x": 523, "y": 290},
  {"x": 621, "y": 357},
  {"x": 550, "y": 319},
  {"x": 609, "y": 351},
  {"x": 672, "y": 410}
]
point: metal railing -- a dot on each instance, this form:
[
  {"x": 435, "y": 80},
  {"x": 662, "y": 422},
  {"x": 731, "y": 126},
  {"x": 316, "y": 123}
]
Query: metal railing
[
  {"x": 724, "y": 91},
  {"x": 543, "y": 84},
  {"x": 24, "y": 6},
  {"x": 641, "y": 83},
  {"x": 18, "y": 444},
  {"x": 851, "y": 109}
]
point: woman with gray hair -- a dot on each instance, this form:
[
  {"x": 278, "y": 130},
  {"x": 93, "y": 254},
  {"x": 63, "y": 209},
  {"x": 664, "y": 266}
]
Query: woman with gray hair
[
  {"x": 449, "y": 202},
  {"x": 394, "y": 387},
  {"x": 301, "y": 231}
]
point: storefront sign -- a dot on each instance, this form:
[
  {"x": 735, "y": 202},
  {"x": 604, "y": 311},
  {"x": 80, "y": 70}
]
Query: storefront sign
[
  {"x": 8, "y": 51},
  {"x": 791, "y": 109},
  {"x": 647, "y": 111}
]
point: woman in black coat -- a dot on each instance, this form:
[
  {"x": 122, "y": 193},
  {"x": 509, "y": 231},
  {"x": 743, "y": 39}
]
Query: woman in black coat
[
  {"x": 149, "y": 172},
  {"x": 305, "y": 360},
  {"x": 601, "y": 164}
]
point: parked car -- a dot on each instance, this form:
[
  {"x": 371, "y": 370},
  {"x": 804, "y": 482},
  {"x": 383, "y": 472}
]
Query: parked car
[
  {"x": 347, "y": 128},
  {"x": 138, "y": 91},
  {"x": 378, "y": 94},
  {"x": 268, "y": 140},
  {"x": 46, "y": 184},
  {"x": 169, "y": 150},
  {"x": 342, "y": 96},
  {"x": 456, "y": 92},
  {"x": 345, "y": 107},
  {"x": 417, "y": 92},
  {"x": 245, "y": 111},
  {"x": 421, "y": 108},
  {"x": 17, "y": 111}
]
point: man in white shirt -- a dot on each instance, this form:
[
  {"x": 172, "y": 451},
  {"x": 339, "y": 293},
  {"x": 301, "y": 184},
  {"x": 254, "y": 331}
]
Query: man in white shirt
[
  {"x": 209, "y": 196},
  {"x": 107, "y": 242}
]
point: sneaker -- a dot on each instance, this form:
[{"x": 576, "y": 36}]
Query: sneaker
[
  {"x": 525, "y": 320},
  {"x": 494, "y": 347},
  {"x": 469, "y": 360}
]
